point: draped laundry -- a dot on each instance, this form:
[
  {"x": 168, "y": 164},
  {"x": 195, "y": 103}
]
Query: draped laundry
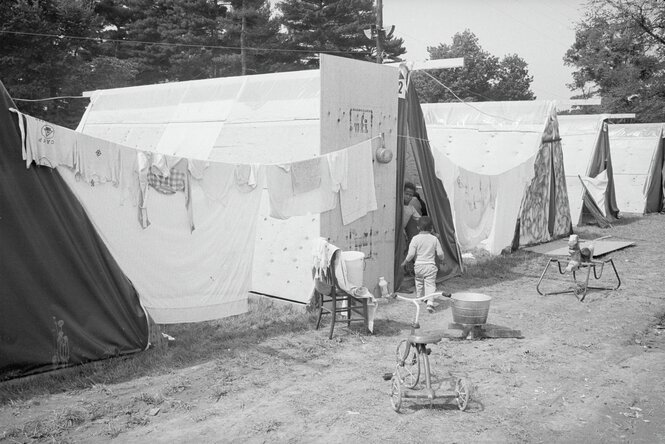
[
  {"x": 311, "y": 186},
  {"x": 286, "y": 202},
  {"x": 185, "y": 266},
  {"x": 501, "y": 163},
  {"x": 485, "y": 207},
  {"x": 44, "y": 143},
  {"x": 180, "y": 275}
]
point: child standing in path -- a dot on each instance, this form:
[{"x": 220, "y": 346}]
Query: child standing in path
[{"x": 425, "y": 248}]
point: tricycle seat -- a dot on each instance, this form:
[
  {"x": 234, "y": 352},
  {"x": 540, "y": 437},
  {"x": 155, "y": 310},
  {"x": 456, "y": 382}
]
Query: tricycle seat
[{"x": 426, "y": 338}]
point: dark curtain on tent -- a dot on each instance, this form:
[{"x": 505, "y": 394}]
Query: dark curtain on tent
[
  {"x": 64, "y": 300},
  {"x": 602, "y": 160},
  {"x": 412, "y": 134},
  {"x": 655, "y": 193}
]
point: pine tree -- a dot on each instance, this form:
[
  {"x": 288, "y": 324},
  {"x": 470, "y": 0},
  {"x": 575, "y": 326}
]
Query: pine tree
[
  {"x": 46, "y": 52},
  {"x": 332, "y": 26}
]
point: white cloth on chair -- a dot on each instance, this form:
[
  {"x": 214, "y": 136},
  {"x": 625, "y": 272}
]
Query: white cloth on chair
[{"x": 322, "y": 253}]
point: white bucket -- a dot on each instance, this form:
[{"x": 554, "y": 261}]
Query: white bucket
[{"x": 355, "y": 265}]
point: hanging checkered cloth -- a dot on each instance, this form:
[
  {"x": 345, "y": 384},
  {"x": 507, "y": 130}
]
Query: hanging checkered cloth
[{"x": 175, "y": 181}]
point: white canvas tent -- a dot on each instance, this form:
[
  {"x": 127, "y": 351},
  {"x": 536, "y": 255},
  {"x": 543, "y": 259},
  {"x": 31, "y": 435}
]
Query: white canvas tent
[
  {"x": 587, "y": 155},
  {"x": 501, "y": 164},
  {"x": 262, "y": 120},
  {"x": 637, "y": 149}
]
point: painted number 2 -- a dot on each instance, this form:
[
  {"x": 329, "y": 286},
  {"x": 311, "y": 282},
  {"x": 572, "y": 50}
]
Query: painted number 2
[{"x": 401, "y": 89}]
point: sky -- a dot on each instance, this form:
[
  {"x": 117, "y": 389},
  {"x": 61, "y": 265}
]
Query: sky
[{"x": 539, "y": 31}]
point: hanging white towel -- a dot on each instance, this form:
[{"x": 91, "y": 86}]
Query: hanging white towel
[{"x": 359, "y": 197}]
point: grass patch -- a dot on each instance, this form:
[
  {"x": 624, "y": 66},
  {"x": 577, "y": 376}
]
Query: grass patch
[
  {"x": 195, "y": 343},
  {"x": 50, "y": 429},
  {"x": 502, "y": 267}
]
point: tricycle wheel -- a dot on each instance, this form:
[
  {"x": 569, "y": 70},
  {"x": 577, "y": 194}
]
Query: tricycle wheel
[
  {"x": 408, "y": 363},
  {"x": 396, "y": 392},
  {"x": 462, "y": 392}
]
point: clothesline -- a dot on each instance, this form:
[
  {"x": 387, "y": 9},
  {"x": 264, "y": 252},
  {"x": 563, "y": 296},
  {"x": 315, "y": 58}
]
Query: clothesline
[
  {"x": 295, "y": 188},
  {"x": 255, "y": 164}
]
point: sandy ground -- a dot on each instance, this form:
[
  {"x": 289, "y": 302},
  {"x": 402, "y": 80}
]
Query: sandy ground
[{"x": 589, "y": 371}]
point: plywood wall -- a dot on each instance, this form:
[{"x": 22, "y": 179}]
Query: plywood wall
[{"x": 358, "y": 102}]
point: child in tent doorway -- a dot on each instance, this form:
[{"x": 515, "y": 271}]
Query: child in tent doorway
[{"x": 425, "y": 248}]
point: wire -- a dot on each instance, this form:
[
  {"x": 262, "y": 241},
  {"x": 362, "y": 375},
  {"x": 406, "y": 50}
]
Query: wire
[
  {"x": 467, "y": 103},
  {"x": 49, "y": 98},
  {"x": 103, "y": 40},
  {"x": 472, "y": 92}
]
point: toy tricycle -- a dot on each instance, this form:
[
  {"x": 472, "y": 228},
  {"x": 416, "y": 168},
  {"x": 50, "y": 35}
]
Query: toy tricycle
[{"x": 413, "y": 356}]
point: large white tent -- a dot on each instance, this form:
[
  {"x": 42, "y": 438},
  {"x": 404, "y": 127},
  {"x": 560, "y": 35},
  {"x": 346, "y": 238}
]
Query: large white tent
[
  {"x": 501, "y": 164},
  {"x": 587, "y": 156},
  {"x": 637, "y": 149},
  {"x": 268, "y": 121}
]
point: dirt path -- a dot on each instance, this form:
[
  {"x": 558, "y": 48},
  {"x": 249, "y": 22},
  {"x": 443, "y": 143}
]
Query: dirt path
[{"x": 583, "y": 372}]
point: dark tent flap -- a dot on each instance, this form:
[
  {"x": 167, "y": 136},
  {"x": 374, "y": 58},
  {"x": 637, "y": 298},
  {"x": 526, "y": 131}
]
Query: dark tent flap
[
  {"x": 64, "y": 299},
  {"x": 412, "y": 134}
]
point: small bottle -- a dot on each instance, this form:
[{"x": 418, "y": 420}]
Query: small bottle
[{"x": 383, "y": 285}]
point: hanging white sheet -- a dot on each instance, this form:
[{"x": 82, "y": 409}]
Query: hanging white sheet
[
  {"x": 181, "y": 276},
  {"x": 485, "y": 207}
]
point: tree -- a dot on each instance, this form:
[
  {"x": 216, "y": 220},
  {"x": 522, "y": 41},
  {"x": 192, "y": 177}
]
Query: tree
[
  {"x": 250, "y": 27},
  {"x": 484, "y": 76},
  {"x": 619, "y": 53},
  {"x": 167, "y": 40},
  {"x": 332, "y": 26},
  {"x": 46, "y": 51}
]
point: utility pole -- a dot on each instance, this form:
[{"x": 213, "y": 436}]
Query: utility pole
[
  {"x": 379, "y": 31},
  {"x": 243, "y": 58}
]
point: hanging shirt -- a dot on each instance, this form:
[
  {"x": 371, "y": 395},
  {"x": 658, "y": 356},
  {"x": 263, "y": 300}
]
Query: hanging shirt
[
  {"x": 97, "y": 160},
  {"x": 176, "y": 180},
  {"x": 218, "y": 181},
  {"x": 46, "y": 144}
]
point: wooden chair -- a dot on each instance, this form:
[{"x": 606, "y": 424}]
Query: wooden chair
[{"x": 333, "y": 301}]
